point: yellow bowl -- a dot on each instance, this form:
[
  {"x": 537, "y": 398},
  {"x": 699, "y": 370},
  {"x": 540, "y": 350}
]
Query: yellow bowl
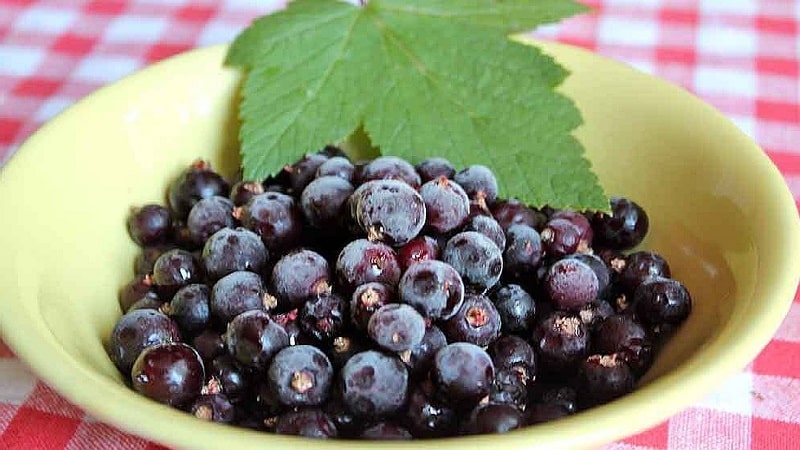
[{"x": 720, "y": 212}]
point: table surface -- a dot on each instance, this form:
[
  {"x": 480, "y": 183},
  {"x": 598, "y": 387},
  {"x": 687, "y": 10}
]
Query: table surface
[{"x": 742, "y": 56}]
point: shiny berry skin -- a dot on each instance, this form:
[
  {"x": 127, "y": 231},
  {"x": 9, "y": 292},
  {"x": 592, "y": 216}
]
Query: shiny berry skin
[
  {"x": 324, "y": 203},
  {"x": 561, "y": 341},
  {"x": 624, "y": 229},
  {"x": 545, "y": 412},
  {"x": 324, "y": 317},
  {"x": 434, "y": 288},
  {"x": 386, "y": 431},
  {"x": 476, "y": 322},
  {"x": 275, "y": 217},
  {"x": 310, "y": 423},
  {"x": 208, "y": 216},
  {"x": 494, "y": 418},
  {"x": 337, "y": 166},
  {"x": 173, "y": 270},
  {"x": 253, "y": 339},
  {"x": 509, "y": 388},
  {"x": 662, "y": 301},
  {"x": 243, "y": 191},
  {"x": 303, "y": 171},
  {"x": 143, "y": 264},
  {"x": 560, "y": 395},
  {"x": 641, "y": 266},
  {"x": 373, "y": 384},
  {"x": 478, "y": 182},
  {"x": 512, "y": 212},
  {"x": 209, "y": 345},
  {"x": 213, "y": 407},
  {"x": 488, "y": 227},
  {"x": 560, "y": 238},
  {"x": 622, "y": 335},
  {"x": 232, "y": 378},
  {"x": 299, "y": 276},
  {"x": 170, "y": 373},
  {"x": 189, "y": 308},
  {"x": 368, "y": 298},
  {"x": 462, "y": 374},
  {"x": 147, "y": 302},
  {"x": 602, "y": 378},
  {"x": 236, "y": 293},
  {"x": 426, "y": 416},
  {"x": 418, "y": 358},
  {"x": 601, "y": 270},
  {"x": 150, "y": 225},
  {"x": 516, "y": 308},
  {"x": 231, "y": 250},
  {"x": 396, "y": 327},
  {"x": 570, "y": 284},
  {"x": 594, "y": 313},
  {"x": 580, "y": 221},
  {"x": 523, "y": 251},
  {"x": 514, "y": 354},
  {"x": 138, "y": 288},
  {"x": 300, "y": 376},
  {"x": 362, "y": 261},
  {"x": 389, "y": 211},
  {"x": 136, "y": 331},
  {"x": 421, "y": 248},
  {"x": 476, "y": 258},
  {"x": 446, "y": 204},
  {"x": 433, "y": 168},
  {"x": 195, "y": 183},
  {"x": 347, "y": 424},
  {"x": 390, "y": 168}
]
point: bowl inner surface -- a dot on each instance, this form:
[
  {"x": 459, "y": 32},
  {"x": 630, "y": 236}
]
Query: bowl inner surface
[{"x": 719, "y": 213}]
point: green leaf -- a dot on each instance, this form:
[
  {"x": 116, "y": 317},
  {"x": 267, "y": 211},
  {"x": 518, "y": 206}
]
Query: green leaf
[{"x": 424, "y": 78}]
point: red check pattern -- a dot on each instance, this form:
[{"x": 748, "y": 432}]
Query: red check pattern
[{"x": 742, "y": 56}]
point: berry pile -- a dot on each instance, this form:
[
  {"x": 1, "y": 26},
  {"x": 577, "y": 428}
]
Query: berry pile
[{"x": 379, "y": 300}]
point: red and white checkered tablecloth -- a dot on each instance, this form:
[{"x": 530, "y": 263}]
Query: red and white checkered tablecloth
[{"x": 742, "y": 56}]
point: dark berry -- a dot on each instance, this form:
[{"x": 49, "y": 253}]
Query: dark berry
[
  {"x": 476, "y": 322},
  {"x": 396, "y": 327},
  {"x": 494, "y": 418},
  {"x": 560, "y": 238},
  {"x": 150, "y": 225},
  {"x": 299, "y": 276},
  {"x": 275, "y": 217},
  {"x": 622, "y": 335},
  {"x": 243, "y": 191},
  {"x": 581, "y": 223},
  {"x": 476, "y": 258},
  {"x": 214, "y": 408},
  {"x": 433, "y": 168},
  {"x": 190, "y": 307},
  {"x": 368, "y": 298},
  {"x": 138, "y": 288},
  {"x": 232, "y": 250},
  {"x": 560, "y": 395},
  {"x": 514, "y": 354},
  {"x": 342, "y": 348},
  {"x": 446, "y": 204},
  {"x": 516, "y": 308},
  {"x": 570, "y": 284},
  {"x": 545, "y": 412},
  {"x": 418, "y": 358},
  {"x": 462, "y": 373},
  {"x": 386, "y": 431},
  {"x": 143, "y": 264},
  {"x": 625, "y": 228},
  {"x": 513, "y": 212},
  {"x": 594, "y": 313},
  {"x": 170, "y": 373},
  {"x": 302, "y": 172},
  {"x": 362, "y": 261},
  {"x": 421, "y": 248},
  {"x": 508, "y": 388},
  {"x": 434, "y": 288},
  {"x": 561, "y": 341},
  {"x": 478, "y": 182},
  {"x": 347, "y": 424},
  {"x": 388, "y": 210},
  {"x": 602, "y": 378},
  {"x": 147, "y": 302},
  {"x": 373, "y": 384},
  {"x": 173, "y": 270},
  {"x": 232, "y": 379},
  {"x": 194, "y": 184},
  {"x": 300, "y": 376},
  {"x": 324, "y": 317},
  {"x": 238, "y": 292},
  {"x": 428, "y": 417},
  {"x": 324, "y": 203},
  {"x": 252, "y": 338},
  {"x": 136, "y": 331},
  {"x": 390, "y": 168},
  {"x": 488, "y": 227},
  {"x": 208, "y": 216},
  {"x": 662, "y": 301},
  {"x": 600, "y": 268},
  {"x": 209, "y": 345},
  {"x": 310, "y": 423},
  {"x": 523, "y": 251},
  {"x": 641, "y": 266},
  {"x": 337, "y": 166}
]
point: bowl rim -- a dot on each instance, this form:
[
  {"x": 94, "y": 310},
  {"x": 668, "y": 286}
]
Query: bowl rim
[{"x": 604, "y": 427}]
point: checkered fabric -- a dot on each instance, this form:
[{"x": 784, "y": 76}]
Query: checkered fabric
[{"x": 742, "y": 56}]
